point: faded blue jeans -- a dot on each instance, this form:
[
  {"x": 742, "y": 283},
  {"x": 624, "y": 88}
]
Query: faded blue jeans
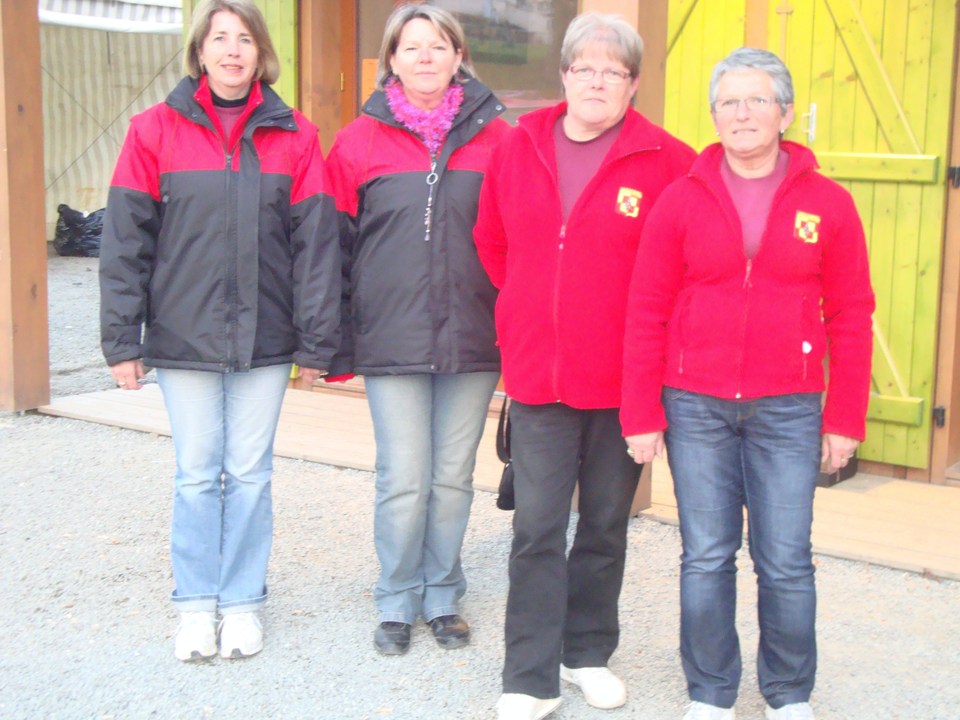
[
  {"x": 764, "y": 455},
  {"x": 427, "y": 429},
  {"x": 223, "y": 428}
]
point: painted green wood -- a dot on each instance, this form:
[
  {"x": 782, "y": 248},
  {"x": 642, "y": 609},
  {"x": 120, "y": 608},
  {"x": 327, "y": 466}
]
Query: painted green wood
[
  {"x": 881, "y": 167},
  {"x": 879, "y": 74},
  {"x": 281, "y": 17},
  {"x": 900, "y": 410},
  {"x": 871, "y": 74}
]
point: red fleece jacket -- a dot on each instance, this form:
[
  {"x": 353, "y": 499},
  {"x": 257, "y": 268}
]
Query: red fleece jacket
[
  {"x": 563, "y": 287},
  {"x": 704, "y": 318}
]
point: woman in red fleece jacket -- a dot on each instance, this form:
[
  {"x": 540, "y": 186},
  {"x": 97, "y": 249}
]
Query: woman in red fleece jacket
[
  {"x": 561, "y": 210},
  {"x": 753, "y": 267}
]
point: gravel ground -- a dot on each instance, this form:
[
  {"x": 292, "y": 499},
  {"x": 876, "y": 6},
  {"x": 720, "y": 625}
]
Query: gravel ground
[{"x": 84, "y": 511}]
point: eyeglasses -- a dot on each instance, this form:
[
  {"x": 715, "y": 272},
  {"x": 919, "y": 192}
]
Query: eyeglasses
[
  {"x": 586, "y": 74},
  {"x": 731, "y": 106}
]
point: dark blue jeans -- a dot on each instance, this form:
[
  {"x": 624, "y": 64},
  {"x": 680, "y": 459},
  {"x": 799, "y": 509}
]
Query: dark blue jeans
[{"x": 763, "y": 454}]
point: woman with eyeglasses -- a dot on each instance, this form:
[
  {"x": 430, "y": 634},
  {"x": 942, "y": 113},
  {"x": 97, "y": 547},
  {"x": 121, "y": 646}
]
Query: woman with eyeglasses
[
  {"x": 754, "y": 268},
  {"x": 561, "y": 211}
]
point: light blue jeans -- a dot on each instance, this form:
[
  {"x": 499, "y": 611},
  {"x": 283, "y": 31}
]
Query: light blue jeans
[
  {"x": 427, "y": 429},
  {"x": 223, "y": 427},
  {"x": 764, "y": 455}
]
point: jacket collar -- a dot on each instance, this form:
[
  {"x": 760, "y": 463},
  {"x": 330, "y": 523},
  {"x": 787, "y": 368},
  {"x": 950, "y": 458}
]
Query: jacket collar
[
  {"x": 637, "y": 133},
  {"x": 707, "y": 164},
  {"x": 192, "y": 96}
]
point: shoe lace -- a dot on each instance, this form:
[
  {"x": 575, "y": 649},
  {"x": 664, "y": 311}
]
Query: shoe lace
[
  {"x": 190, "y": 619},
  {"x": 244, "y": 622}
]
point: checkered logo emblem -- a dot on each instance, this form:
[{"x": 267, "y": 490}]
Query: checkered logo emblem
[{"x": 628, "y": 202}]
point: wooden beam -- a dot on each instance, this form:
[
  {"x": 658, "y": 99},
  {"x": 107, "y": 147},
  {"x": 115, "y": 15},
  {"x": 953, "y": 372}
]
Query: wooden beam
[
  {"x": 756, "y": 23},
  {"x": 652, "y": 25},
  {"x": 945, "y": 446},
  {"x": 24, "y": 348}
]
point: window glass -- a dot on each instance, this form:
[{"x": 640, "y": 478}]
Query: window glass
[{"x": 515, "y": 45}]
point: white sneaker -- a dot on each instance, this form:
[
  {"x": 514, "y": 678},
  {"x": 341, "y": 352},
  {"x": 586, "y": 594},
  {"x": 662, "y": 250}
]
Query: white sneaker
[
  {"x": 702, "y": 711},
  {"x": 601, "y": 688},
  {"x": 241, "y": 635},
  {"x": 517, "y": 706},
  {"x": 196, "y": 637},
  {"x": 793, "y": 711}
]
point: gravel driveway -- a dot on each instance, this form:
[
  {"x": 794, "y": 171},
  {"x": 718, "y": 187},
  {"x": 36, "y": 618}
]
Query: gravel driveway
[{"x": 84, "y": 510}]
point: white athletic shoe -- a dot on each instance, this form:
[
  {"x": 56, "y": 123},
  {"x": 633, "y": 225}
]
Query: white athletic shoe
[
  {"x": 196, "y": 637},
  {"x": 601, "y": 688},
  {"x": 517, "y": 706},
  {"x": 241, "y": 635},
  {"x": 702, "y": 711},
  {"x": 793, "y": 711}
]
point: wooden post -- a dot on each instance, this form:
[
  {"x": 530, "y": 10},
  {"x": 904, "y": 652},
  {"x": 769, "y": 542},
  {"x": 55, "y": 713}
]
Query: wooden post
[
  {"x": 328, "y": 79},
  {"x": 24, "y": 349},
  {"x": 945, "y": 447}
]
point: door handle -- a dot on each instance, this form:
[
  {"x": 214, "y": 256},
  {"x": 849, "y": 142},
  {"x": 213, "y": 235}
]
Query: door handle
[{"x": 808, "y": 123}]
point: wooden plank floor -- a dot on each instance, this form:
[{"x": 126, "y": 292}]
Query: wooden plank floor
[{"x": 897, "y": 523}]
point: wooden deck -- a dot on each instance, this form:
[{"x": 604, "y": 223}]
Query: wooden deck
[{"x": 897, "y": 523}]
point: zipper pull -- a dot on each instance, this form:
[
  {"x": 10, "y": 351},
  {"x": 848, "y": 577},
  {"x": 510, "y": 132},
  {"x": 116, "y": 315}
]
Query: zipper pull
[
  {"x": 563, "y": 234},
  {"x": 746, "y": 277},
  {"x": 428, "y": 214}
]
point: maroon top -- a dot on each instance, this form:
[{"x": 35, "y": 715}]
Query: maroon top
[
  {"x": 578, "y": 161},
  {"x": 752, "y": 197}
]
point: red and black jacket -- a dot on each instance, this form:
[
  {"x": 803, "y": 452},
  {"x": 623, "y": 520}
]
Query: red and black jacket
[
  {"x": 219, "y": 254},
  {"x": 419, "y": 300}
]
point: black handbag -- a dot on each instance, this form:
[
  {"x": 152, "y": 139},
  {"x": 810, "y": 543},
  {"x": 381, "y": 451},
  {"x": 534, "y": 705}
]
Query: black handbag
[{"x": 505, "y": 491}]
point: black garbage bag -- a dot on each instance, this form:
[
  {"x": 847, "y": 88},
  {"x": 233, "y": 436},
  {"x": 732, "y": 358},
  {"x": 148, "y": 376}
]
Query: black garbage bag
[{"x": 78, "y": 235}]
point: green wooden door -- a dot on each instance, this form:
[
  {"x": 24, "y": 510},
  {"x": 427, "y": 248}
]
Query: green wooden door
[
  {"x": 873, "y": 88},
  {"x": 281, "y": 17}
]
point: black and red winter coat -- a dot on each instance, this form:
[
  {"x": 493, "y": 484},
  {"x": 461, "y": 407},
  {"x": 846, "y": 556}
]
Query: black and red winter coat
[
  {"x": 419, "y": 299},
  {"x": 219, "y": 255}
]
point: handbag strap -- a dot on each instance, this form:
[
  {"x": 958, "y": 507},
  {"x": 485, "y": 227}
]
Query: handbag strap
[{"x": 503, "y": 433}]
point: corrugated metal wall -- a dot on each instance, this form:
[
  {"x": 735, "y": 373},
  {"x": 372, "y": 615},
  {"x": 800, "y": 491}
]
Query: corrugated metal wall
[{"x": 93, "y": 82}]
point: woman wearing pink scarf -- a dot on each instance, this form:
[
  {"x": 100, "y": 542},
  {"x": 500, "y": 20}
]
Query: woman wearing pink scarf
[{"x": 419, "y": 326}]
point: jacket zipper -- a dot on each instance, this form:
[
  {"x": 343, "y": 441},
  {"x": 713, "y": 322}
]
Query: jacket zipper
[
  {"x": 231, "y": 250},
  {"x": 431, "y": 183},
  {"x": 556, "y": 313}
]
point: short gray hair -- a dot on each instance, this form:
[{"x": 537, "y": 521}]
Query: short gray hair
[
  {"x": 755, "y": 59},
  {"x": 621, "y": 38},
  {"x": 442, "y": 21}
]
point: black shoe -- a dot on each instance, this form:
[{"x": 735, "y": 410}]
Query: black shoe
[
  {"x": 392, "y": 638},
  {"x": 451, "y": 631}
]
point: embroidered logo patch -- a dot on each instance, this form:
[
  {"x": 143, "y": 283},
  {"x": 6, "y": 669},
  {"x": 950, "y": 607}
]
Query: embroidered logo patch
[
  {"x": 628, "y": 202},
  {"x": 806, "y": 227}
]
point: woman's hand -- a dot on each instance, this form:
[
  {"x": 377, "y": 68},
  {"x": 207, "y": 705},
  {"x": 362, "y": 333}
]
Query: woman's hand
[
  {"x": 308, "y": 376},
  {"x": 644, "y": 448},
  {"x": 837, "y": 451},
  {"x": 128, "y": 374}
]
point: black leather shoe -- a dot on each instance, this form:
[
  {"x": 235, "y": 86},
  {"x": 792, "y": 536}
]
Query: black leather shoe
[
  {"x": 392, "y": 638},
  {"x": 451, "y": 631}
]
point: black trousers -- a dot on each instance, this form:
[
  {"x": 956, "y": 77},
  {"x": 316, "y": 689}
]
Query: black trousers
[{"x": 559, "y": 608}]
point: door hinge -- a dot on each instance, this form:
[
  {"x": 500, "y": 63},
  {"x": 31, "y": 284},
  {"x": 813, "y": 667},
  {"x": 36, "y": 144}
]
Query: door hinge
[
  {"x": 953, "y": 175},
  {"x": 939, "y": 416}
]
